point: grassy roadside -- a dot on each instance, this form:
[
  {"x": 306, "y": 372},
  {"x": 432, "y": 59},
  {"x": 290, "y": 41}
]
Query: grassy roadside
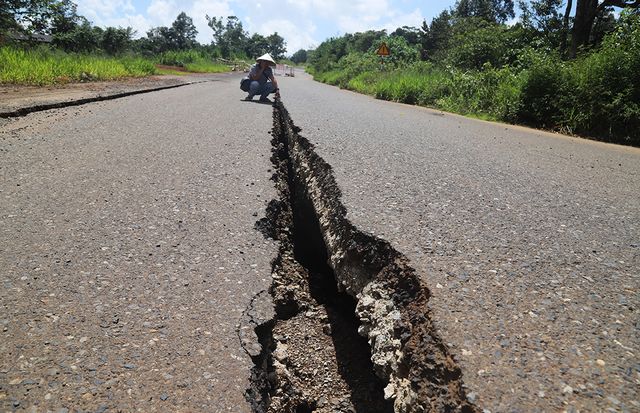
[
  {"x": 592, "y": 96},
  {"x": 596, "y": 94},
  {"x": 489, "y": 95},
  {"x": 44, "y": 66}
]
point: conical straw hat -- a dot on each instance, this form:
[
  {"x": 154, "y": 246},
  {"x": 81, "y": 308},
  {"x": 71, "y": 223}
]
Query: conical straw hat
[{"x": 267, "y": 58}]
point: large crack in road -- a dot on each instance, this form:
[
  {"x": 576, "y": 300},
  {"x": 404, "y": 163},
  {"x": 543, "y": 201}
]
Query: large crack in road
[{"x": 352, "y": 330}]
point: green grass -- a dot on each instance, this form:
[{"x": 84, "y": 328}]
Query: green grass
[
  {"x": 163, "y": 71},
  {"x": 47, "y": 67},
  {"x": 206, "y": 67},
  {"x": 192, "y": 61}
]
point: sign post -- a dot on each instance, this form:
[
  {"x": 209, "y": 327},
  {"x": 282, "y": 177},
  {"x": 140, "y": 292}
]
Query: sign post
[{"x": 383, "y": 51}]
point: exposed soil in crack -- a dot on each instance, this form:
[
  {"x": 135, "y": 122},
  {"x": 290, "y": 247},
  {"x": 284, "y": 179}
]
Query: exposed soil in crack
[{"x": 352, "y": 330}]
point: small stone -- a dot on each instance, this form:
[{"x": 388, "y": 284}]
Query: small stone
[
  {"x": 164, "y": 396},
  {"x": 541, "y": 394},
  {"x": 613, "y": 400},
  {"x": 600, "y": 363},
  {"x": 129, "y": 366},
  {"x": 567, "y": 389},
  {"x": 254, "y": 349},
  {"x": 281, "y": 353},
  {"x": 103, "y": 408},
  {"x": 471, "y": 397}
]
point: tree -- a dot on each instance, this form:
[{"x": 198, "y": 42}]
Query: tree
[
  {"x": 300, "y": 56},
  {"x": 435, "y": 37},
  {"x": 180, "y": 36},
  {"x": 477, "y": 42},
  {"x": 545, "y": 20},
  {"x": 64, "y": 17},
  {"x": 497, "y": 11},
  {"x": 256, "y": 45},
  {"x": 362, "y": 42},
  {"x": 586, "y": 13},
  {"x": 184, "y": 32},
  {"x": 277, "y": 46},
  {"x": 230, "y": 37},
  {"x": 116, "y": 40},
  {"x": 84, "y": 38},
  {"x": 30, "y": 16},
  {"x": 410, "y": 34}
]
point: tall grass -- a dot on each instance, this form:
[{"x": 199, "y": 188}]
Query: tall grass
[
  {"x": 192, "y": 61},
  {"x": 45, "y": 67},
  {"x": 493, "y": 93}
]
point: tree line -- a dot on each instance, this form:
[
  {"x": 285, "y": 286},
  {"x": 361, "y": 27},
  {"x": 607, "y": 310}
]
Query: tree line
[
  {"x": 68, "y": 30},
  {"x": 474, "y": 32}
]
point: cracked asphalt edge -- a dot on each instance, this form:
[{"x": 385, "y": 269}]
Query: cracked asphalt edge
[
  {"x": 392, "y": 302},
  {"x": 77, "y": 102}
]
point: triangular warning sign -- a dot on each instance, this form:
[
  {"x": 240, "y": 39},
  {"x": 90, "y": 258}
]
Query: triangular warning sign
[{"x": 383, "y": 50}]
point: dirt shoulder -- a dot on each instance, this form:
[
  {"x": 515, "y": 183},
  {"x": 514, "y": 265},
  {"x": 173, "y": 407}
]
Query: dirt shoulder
[{"x": 17, "y": 97}]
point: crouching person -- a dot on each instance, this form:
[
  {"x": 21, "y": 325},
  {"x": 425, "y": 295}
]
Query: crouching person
[{"x": 260, "y": 80}]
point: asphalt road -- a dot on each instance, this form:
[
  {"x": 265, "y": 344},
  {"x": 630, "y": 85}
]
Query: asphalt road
[{"x": 128, "y": 252}]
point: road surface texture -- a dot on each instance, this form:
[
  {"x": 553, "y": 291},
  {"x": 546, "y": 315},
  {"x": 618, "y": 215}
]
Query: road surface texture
[
  {"x": 129, "y": 254},
  {"x": 528, "y": 241}
]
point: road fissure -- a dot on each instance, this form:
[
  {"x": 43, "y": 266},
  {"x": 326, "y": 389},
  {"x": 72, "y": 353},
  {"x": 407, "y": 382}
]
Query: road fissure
[{"x": 352, "y": 330}]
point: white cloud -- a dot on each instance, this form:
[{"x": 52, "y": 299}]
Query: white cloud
[
  {"x": 162, "y": 11},
  {"x": 295, "y": 36},
  {"x": 200, "y": 9},
  {"x": 115, "y": 13},
  {"x": 138, "y": 22},
  {"x": 99, "y": 10},
  {"x": 414, "y": 19}
]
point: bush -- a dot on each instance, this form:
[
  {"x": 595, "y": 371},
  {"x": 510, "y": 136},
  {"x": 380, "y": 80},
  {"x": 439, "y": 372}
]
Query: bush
[
  {"x": 544, "y": 82},
  {"x": 477, "y": 42},
  {"x": 180, "y": 58},
  {"x": 598, "y": 94}
]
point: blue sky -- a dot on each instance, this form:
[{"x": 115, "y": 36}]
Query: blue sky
[{"x": 302, "y": 23}]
